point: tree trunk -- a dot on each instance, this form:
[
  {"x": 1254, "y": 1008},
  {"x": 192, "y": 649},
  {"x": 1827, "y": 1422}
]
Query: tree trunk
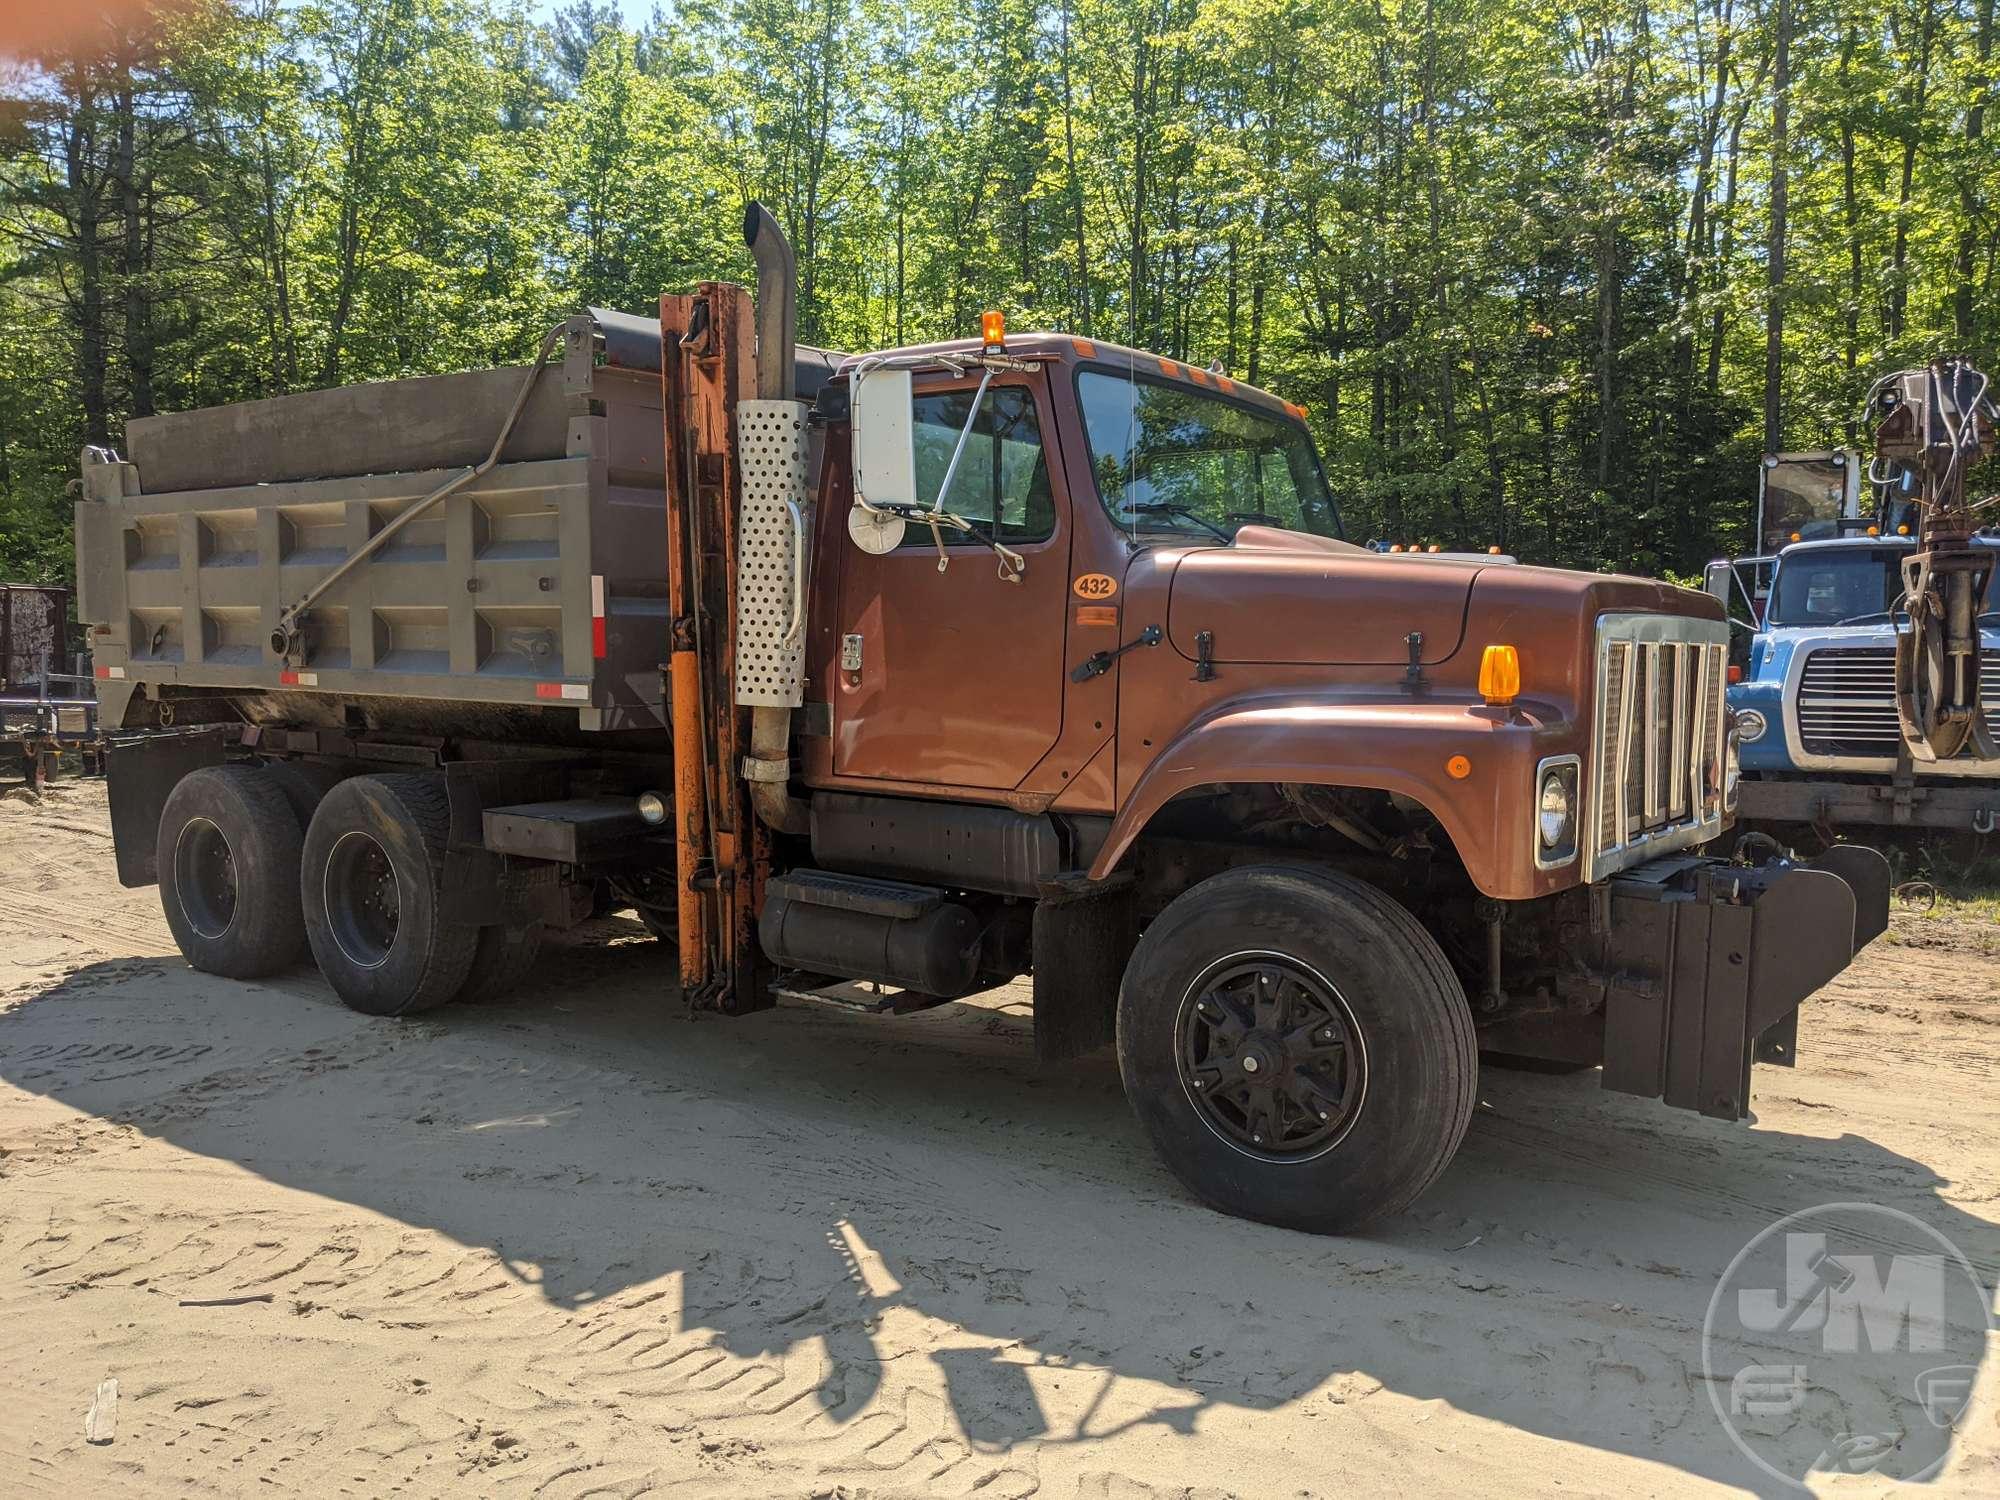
[
  {"x": 1919, "y": 93},
  {"x": 1075, "y": 184},
  {"x": 92, "y": 345},
  {"x": 1968, "y": 184},
  {"x": 134, "y": 270},
  {"x": 1774, "y": 316},
  {"x": 1851, "y": 213}
]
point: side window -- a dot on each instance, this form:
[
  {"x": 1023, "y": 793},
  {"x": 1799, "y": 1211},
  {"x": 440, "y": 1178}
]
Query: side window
[{"x": 1002, "y": 483}]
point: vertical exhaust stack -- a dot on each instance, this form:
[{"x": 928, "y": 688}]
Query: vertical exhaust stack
[
  {"x": 777, "y": 305},
  {"x": 769, "y": 680}
]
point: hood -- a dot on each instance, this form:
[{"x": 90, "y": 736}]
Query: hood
[{"x": 1284, "y": 597}]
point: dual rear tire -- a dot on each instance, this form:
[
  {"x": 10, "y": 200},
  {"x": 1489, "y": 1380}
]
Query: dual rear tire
[{"x": 258, "y": 863}]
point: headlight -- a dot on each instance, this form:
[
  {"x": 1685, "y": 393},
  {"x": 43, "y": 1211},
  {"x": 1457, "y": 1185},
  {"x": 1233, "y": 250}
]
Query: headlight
[
  {"x": 653, "y": 808},
  {"x": 1732, "y": 768},
  {"x": 1750, "y": 725},
  {"x": 1556, "y": 811},
  {"x": 1556, "y": 803}
]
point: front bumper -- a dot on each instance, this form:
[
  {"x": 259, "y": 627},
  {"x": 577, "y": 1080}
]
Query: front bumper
[{"x": 1709, "y": 962}]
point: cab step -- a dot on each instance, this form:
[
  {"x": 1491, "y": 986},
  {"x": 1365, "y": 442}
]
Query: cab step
[{"x": 862, "y": 995}]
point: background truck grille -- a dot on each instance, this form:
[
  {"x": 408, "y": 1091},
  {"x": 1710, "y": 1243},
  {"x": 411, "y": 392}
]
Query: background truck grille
[
  {"x": 1847, "y": 700},
  {"x": 1656, "y": 760}
]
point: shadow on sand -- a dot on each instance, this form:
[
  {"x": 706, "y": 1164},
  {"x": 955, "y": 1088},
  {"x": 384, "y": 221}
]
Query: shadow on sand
[{"x": 805, "y": 1173}]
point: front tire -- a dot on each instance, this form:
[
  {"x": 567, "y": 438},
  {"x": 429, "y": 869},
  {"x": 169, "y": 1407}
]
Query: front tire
[
  {"x": 229, "y": 872},
  {"x": 1297, "y": 1047},
  {"x": 372, "y": 879}
]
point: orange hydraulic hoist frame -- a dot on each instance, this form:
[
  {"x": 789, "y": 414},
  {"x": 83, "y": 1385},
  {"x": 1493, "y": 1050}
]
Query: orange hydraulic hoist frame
[{"x": 722, "y": 851}]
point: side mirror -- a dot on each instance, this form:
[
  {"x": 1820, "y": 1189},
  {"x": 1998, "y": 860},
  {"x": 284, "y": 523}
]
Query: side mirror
[
  {"x": 885, "y": 452},
  {"x": 1717, "y": 579},
  {"x": 885, "y": 457}
]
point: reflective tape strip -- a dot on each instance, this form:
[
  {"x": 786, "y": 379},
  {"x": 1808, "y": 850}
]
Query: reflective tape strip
[
  {"x": 597, "y": 633},
  {"x": 299, "y": 679},
  {"x": 110, "y": 671},
  {"x": 573, "y": 690}
]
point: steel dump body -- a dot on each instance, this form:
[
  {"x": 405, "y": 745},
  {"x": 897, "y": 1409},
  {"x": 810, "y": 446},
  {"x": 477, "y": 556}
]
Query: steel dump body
[{"x": 538, "y": 587}]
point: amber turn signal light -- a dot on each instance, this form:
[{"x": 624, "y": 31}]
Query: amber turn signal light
[
  {"x": 1458, "y": 767},
  {"x": 1500, "y": 675},
  {"x": 993, "y": 328}
]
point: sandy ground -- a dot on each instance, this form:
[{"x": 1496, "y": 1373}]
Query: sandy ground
[{"x": 584, "y": 1245}]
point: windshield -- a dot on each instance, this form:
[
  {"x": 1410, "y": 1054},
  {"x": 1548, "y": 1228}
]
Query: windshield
[
  {"x": 1170, "y": 459},
  {"x": 1851, "y": 584}
]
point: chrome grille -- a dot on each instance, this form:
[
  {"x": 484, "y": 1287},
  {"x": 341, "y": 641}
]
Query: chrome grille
[
  {"x": 1656, "y": 751},
  {"x": 1846, "y": 702}
]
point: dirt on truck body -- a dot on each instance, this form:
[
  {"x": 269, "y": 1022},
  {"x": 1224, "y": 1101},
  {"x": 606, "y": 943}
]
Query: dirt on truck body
[{"x": 883, "y": 679}]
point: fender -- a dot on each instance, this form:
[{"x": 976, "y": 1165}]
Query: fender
[{"x": 1364, "y": 738}]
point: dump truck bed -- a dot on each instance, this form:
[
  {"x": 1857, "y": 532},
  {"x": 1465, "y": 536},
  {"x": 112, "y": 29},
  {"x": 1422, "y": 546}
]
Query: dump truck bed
[
  {"x": 537, "y": 589},
  {"x": 536, "y": 584}
]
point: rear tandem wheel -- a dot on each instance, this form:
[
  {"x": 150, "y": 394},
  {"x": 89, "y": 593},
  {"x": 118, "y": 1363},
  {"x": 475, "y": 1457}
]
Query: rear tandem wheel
[
  {"x": 228, "y": 857},
  {"x": 372, "y": 881}
]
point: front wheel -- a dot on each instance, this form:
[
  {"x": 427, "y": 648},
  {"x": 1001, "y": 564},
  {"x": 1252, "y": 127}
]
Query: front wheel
[{"x": 1297, "y": 1047}]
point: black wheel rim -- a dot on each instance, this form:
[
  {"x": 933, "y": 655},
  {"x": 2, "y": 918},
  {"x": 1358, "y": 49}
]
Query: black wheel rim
[
  {"x": 363, "y": 900},
  {"x": 1271, "y": 1057},
  {"x": 205, "y": 877}
]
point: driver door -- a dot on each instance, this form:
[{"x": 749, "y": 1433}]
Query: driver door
[{"x": 956, "y": 678}]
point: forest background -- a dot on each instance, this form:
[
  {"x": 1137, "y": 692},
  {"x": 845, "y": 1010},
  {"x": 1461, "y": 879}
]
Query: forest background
[{"x": 1546, "y": 275}]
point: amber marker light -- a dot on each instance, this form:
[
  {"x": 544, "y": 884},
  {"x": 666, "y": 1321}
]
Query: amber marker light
[
  {"x": 1902, "y": 530},
  {"x": 1500, "y": 675},
  {"x": 1458, "y": 767},
  {"x": 1874, "y": 530},
  {"x": 1492, "y": 551},
  {"x": 993, "y": 328}
]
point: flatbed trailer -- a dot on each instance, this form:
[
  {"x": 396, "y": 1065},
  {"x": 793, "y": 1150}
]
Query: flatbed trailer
[{"x": 882, "y": 679}]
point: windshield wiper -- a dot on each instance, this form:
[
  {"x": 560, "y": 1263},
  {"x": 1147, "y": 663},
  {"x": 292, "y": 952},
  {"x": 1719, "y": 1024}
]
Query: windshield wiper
[
  {"x": 1168, "y": 508},
  {"x": 1875, "y": 614}
]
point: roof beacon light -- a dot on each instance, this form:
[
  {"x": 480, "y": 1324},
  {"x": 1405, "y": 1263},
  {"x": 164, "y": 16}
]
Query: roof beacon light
[
  {"x": 993, "y": 328},
  {"x": 1500, "y": 675}
]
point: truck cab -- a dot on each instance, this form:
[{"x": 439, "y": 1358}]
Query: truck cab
[{"x": 1815, "y": 707}]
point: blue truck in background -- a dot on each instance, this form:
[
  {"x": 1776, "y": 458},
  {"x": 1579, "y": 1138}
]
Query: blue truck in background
[{"x": 1815, "y": 703}]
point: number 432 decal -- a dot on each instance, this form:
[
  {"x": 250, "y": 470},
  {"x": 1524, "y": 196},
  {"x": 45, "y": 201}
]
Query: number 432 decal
[{"x": 1095, "y": 586}]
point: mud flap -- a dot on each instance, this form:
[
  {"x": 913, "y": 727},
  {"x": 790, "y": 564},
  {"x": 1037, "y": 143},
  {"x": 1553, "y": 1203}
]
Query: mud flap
[
  {"x": 1082, "y": 941},
  {"x": 1710, "y": 962},
  {"x": 139, "y": 775}
]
